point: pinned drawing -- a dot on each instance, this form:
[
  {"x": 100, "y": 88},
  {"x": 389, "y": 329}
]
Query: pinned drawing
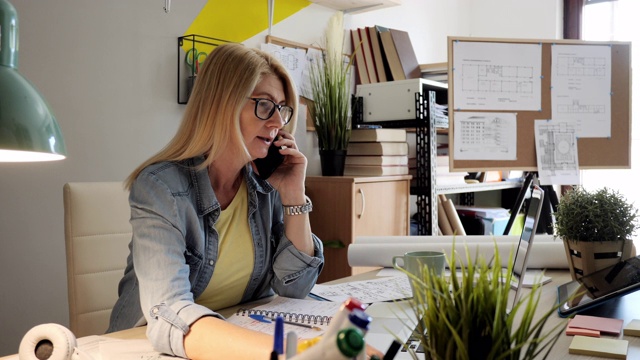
[
  {"x": 557, "y": 152},
  {"x": 581, "y": 88},
  {"x": 497, "y": 76},
  {"x": 485, "y": 136}
]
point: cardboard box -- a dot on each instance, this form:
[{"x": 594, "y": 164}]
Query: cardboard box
[{"x": 394, "y": 100}]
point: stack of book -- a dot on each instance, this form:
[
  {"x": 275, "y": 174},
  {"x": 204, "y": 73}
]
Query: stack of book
[
  {"x": 375, "y": 152},
  {"x": 436, "y": 72}
]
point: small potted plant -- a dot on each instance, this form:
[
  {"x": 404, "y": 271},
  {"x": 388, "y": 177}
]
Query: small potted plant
[
  {"x": 330, "y": 92},
  {"x": 467, "y": 315},
  {"x": 596, "y": 228}
]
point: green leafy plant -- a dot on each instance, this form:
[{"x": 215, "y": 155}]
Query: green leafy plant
[
  {"x": 600, "y": 215},
  {"x": 329, "y": 79},
  {"x": 466, "y": 316}
]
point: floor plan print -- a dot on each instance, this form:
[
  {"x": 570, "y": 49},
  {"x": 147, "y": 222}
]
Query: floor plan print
[{"x": 497, "y": 76}]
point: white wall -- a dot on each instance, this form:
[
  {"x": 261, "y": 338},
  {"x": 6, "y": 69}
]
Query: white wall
[{"x": 108, "y": 70}]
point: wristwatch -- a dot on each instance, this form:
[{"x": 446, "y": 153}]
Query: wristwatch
[{"x": 298, "y": 209}]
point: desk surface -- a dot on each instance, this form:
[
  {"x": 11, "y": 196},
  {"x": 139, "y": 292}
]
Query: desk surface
[{"x": 623, "y": 308}]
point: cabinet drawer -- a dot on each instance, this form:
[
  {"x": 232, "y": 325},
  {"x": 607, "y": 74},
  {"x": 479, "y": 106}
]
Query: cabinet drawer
[{"x": 381, "y": 208}]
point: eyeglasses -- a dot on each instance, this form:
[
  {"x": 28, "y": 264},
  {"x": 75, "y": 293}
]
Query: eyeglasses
[{"x": 265, "y": 108}]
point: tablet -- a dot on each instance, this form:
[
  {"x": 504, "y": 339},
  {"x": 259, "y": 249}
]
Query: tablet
[{"x": 600, "y": 286}]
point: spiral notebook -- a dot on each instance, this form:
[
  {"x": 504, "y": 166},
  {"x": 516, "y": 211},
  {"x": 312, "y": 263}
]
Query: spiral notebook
[{"x": 314, "y": 316}]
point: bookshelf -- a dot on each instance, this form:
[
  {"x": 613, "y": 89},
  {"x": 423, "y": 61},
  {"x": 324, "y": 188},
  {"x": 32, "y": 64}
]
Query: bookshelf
[{"x": 423, "y": 121}]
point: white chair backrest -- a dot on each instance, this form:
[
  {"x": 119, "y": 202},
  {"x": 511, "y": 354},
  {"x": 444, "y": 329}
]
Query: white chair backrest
[{"x": 97, "y": 234}]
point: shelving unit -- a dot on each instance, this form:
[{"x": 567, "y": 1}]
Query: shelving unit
[
  {"x": 467, "y": 188},
  {"x": 433, "y": 92}
]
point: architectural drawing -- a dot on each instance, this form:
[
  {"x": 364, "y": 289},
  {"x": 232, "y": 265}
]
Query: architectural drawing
[
  {"x": 581, "y": 66},
  {"x": 558, "y": 141},
  {"x": 581, "y": 88},
  {"x": 497, "y": 76},
  {"x": 485, "y": 136},
  {"x": 497, "y": 79}
]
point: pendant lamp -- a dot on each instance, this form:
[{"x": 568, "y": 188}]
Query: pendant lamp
[{"x": 28, "y": 129}]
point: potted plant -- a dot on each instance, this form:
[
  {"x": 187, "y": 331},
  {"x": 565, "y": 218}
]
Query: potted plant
[
  {"x": 329, "y": 82},
  {"x": 596, "y": 228},
  {"x": 467, "y": 315}
]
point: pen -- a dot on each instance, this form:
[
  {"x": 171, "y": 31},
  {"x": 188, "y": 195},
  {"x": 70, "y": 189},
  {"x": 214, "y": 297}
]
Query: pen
[
  {"x": 265, "y": 319},
  {"x": 292, "y": 344},
  {"x": 302, "y": 325},
  {"x": 278, "y": 338}
]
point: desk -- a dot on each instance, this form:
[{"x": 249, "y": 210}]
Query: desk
[{"x": 624, "y": 308}]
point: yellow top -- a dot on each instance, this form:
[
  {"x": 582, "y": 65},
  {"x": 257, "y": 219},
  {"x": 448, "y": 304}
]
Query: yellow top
[{"x": 235, "y": 255}]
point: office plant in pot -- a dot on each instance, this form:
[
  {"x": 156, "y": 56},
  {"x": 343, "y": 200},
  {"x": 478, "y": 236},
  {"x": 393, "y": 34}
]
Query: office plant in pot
[
  {"x": 330, "y": 91},
  {"x": 596, "y": 228},
  {"x": 471, "y": 315}
]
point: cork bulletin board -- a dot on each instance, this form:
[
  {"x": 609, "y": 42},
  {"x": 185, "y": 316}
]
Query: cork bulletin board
[{"x": 612, "y": 152}]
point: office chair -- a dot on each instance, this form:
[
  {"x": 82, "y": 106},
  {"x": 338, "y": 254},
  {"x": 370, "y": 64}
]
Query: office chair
[{"x": 97, "y": 234}]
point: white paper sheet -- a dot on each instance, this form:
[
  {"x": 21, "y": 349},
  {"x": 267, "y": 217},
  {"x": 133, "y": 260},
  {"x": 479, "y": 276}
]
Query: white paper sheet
[
  {"x": 367, "y": 291},
  {"x": 557, "y": 152},
  {"x": 485, "y": 136},
  {"x": 581, "y": 87},
  {"x": 294, "y": 60},
  {"x": 496, "y": 76}
]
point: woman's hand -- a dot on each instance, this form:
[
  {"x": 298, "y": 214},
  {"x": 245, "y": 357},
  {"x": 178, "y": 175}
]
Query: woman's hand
[{"x": 289, "y": 177}]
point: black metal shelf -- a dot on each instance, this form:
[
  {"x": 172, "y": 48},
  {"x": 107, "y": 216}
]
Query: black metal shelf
[
  {"x": 424, "y": 123},
  {"x": 187, "y": 74},
  {"x": 425, "y": 188}
]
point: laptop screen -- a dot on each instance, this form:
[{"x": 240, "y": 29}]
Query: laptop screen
[{"x": 526, "y": 237}]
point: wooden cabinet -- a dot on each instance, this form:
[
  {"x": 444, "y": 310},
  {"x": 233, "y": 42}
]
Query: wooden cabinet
[{"x": 347, "y": 206}]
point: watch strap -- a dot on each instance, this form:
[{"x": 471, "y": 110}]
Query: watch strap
[{"x": 298, "y": 209}]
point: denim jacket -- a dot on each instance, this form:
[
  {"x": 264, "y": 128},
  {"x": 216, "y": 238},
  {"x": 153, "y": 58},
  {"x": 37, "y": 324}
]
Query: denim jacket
[{"x": 174, "y": 249}]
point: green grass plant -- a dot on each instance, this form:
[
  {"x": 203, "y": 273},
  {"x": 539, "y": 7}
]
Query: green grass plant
[
  {"x": 330, "y": 87},
  {"x": 467, "y": 316}
]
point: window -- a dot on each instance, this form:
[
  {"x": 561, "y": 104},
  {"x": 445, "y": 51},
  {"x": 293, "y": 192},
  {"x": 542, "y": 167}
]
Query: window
[{"x": 617, "y": 21}]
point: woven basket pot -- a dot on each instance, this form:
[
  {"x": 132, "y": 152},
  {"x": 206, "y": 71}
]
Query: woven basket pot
[{"x": 586, "y": 257}]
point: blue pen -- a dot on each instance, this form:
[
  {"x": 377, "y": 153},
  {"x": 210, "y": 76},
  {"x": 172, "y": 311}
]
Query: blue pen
[
  {"x": 278, "y": 336},
  {"x": 260, "y": 318}
]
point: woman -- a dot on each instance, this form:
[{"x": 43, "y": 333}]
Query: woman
[{"x": 208, "y": 233}]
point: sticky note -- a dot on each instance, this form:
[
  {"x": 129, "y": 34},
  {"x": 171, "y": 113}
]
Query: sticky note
[
  {"x": 602, "y": 324},
  {"x": 632, "y": 328},
  {"x": 571, "y": 331},
  {"x": 611, "y": 348}
]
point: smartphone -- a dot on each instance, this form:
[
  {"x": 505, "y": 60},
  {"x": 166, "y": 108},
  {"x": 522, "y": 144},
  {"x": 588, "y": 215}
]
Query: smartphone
[{"x": 267, "y": 165}]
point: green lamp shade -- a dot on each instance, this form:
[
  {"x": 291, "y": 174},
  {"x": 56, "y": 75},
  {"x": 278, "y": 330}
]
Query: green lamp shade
[{"x": 28, "y": 129}]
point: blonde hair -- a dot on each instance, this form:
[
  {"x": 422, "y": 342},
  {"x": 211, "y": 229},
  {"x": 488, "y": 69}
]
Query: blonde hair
[{"x": 211, "y": 121}]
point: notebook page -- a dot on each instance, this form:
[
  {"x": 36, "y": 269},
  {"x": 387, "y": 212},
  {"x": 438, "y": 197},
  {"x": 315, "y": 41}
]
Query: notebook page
[{"x": 289, "y": 306}]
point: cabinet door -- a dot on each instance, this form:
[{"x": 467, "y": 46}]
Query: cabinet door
[{"x": 381, "y": 208}]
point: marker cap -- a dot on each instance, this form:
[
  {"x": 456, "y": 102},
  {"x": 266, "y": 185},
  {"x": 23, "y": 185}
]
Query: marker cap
[{"x": 350, "y": 342}]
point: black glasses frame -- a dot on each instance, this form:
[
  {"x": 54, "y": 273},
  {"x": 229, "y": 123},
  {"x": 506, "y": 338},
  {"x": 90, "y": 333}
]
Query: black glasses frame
[{"x": 273, "y": 110}]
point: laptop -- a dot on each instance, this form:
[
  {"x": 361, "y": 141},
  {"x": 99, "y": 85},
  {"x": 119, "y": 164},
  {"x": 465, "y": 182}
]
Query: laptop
[{"x": 391, "y": 320}]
